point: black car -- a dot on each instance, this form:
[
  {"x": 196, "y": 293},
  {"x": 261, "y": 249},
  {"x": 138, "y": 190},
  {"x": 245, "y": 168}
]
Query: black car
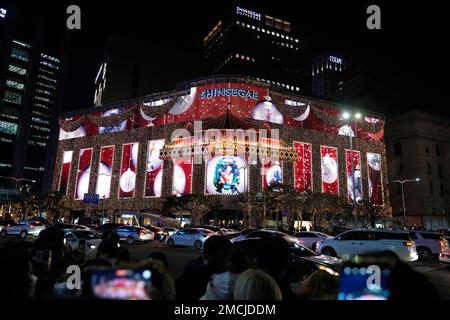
[
  {"x": 108, "y": 227},
  {"x": 160, "y": 233},
  {"x": 302, "y": 262}
]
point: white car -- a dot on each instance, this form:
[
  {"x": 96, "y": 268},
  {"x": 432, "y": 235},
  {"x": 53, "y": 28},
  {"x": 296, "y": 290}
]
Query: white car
[
  {"x": 195, "y": 237},
  {"x": 310, "y": 238},
  {"x": 363, "y": 241},
  {"x": 444, "y": 256},
  {"x": 170, "y": 230},
  {"x": 428, "y": 244},
  {"x": 265, "y": 233},
  {"x": 24, "y": 228},
  {"x": 90, "y": 239}
]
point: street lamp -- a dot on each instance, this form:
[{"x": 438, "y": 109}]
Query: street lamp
[
  {"x": 349, "y": 132},
  {"x": 403, "y": 194}
]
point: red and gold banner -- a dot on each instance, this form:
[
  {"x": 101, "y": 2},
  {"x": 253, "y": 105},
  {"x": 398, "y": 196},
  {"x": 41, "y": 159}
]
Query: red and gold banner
[
  {"x": 182, "y": 177},
  {"x": 375, "y": 181},
  {"x": 128, "y": 165},
  {"x": 329, "y": 168},
  {"x": 83, "y": 173},
  {"x": 354, "y": 186},
  {"x": 105, "y": 172},
  {"x": 153, "y": 177},
  {"x": 65, "y": 172},
  {"x": 272, "y": 172},
  {"x": 302, "y": 166}
]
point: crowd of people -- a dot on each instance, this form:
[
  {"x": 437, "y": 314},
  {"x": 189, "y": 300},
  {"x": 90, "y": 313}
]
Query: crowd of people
[{"x": 221, "y": 272}]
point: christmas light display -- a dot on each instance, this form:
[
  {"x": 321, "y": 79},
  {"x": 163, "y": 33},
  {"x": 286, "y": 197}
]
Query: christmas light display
[
  {"x": 83, "y": 173},
  {"x": 104, "y": 173},
  {"x": 65, "y": 171},
  {"x": 127, "y": 180}
]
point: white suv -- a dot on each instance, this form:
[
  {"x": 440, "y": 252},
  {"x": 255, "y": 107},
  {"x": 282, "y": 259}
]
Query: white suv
[
  {"x": 428, "y": 243},
  {"x": 363, "y": 241}
]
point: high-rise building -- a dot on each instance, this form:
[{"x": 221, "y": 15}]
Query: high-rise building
[
  {"x": 249, "y": 42},
  {"x": 326, "y": 71},
  {"x": 28, "y": 86},
  {"x": 132, "y": 68},
  {"x": 418, "y": 146}
]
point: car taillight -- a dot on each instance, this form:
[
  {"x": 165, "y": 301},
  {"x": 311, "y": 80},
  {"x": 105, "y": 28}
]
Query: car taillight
[{"x": 408, "y": 244}]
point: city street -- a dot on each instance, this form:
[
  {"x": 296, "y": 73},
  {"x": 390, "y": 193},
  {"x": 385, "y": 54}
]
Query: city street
[{"x": 178, "y": 257}]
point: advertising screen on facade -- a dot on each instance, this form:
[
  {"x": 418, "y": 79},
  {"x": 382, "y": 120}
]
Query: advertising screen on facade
[
  {"x": 128, "y": 166},
  {"x": 374, "y": 172},
  {"x": 104, "y": 172},
  {"x": 182, "y": 177},
  {"x": 226, "y": 175},
  {"x": 65, "y": 172},
  {"x": 83, "y": 173},
  {"x": 353, "y": 171},
  {"x": 272, "y": 172},
  {"x": 329, "y": 168},
  {"x": 154, "y": 169}
]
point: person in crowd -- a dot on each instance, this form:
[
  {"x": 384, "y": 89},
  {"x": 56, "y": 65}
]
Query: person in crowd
[
  {"x": 321, "y": 285},
  {"x": 196, "y": 275},
  {"x": 225, "y": 269},
  {"x": 158, "y": 255},
  {"x": 408, "y": 284},
  {"x": 107, "y": 249},
  {"x": 256, "y": 285},
  {"x": 272, "y": 256},
  {"x": 163, "y": 286},
  {"x": 122, "y": 255},
  {"x": 16, "y": 279}
]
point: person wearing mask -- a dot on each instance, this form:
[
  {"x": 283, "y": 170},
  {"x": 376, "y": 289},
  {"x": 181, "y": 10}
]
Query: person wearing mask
[
  {"x": 196, "y": 275},
  {"x": 225, "y": 270}
]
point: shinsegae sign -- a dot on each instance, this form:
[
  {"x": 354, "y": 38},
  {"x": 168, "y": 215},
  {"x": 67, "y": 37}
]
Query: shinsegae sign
[{"x": 229, "y": 92}]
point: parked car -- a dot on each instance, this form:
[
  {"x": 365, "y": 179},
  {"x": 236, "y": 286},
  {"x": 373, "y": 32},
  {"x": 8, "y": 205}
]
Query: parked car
[
  {"x": 265, "y": 233},
  {"x": 242, "y": 233},
  {"x": 310, "y": 238},
  {"x": 5, "y": 224},
  {"x": 132, "y": 234},
  {"x": 24, "y": 228},
  {"x": 227, "y": 231},
  {"x": 160, "y": 233},
  {"x": 444, "y": 256},
  {"x": 195, "y": 237},
  {"x": 208, "y": 227},
  {"x": 170, "y": 230},
  {"x": 90, "y": 239},
  {"x": 362, "y": 241},
  {"x": 428, "y": 244},
  {"x": 71, "y": 226},
  {"x": 108, "y": 227}
]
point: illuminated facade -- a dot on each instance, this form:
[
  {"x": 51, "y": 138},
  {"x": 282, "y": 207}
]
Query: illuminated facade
[{"x": 223, "y": 137}]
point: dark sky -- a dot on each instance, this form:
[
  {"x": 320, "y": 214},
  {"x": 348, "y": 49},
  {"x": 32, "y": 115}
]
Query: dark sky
[{"x": 408, "y": 53}]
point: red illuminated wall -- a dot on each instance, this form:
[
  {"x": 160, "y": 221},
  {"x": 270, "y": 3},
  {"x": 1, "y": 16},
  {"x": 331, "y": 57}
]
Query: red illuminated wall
[
  {"x": 302, "y": 166},
  {"x": 83, "y": 173},
  {"x": 65, "y": 172},
  {"x": 182, "y": 177}
]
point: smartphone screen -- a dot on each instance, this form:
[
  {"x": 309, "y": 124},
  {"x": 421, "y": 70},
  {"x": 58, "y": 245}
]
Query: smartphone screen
[
  {"x": 121, "y": 284},
  {"x": 365, "y": 281}
]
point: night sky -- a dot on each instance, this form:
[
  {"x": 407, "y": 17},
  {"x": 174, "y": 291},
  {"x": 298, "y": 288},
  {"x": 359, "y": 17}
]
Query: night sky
[{"x": 408, "y": 54}]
